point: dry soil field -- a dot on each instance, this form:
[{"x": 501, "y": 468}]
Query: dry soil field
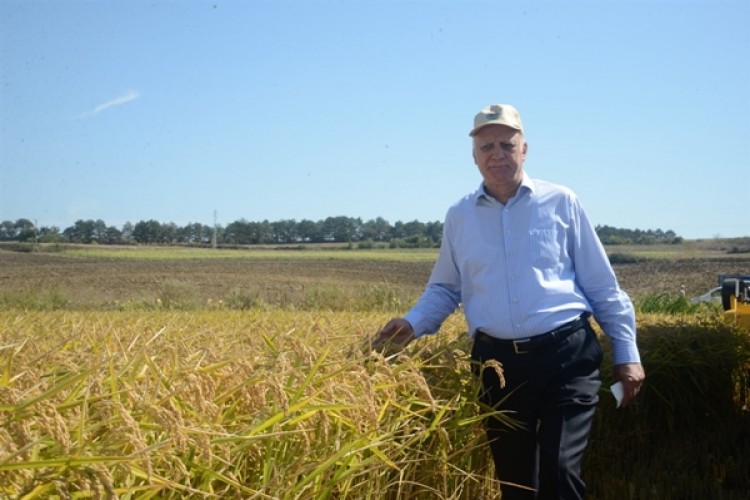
[{"x": 282, "y": 275}]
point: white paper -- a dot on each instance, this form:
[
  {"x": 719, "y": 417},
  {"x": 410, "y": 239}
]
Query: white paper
[{"x": 617, "y": 392}]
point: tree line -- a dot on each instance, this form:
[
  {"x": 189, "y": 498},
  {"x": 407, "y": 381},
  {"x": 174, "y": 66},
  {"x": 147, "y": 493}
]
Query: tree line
[
  {"x": 240, "y": 232},
  {"x": 618, "y": 236},
  {"x": 341, "y": 229}
]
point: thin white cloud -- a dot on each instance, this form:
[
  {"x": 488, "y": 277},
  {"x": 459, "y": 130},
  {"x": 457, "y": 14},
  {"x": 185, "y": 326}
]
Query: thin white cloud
[{"x": 130, "y": 95}]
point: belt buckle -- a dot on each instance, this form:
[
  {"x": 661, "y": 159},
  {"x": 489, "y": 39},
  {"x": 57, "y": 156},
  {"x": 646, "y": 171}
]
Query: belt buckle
[{"x": 517, "y": 346}]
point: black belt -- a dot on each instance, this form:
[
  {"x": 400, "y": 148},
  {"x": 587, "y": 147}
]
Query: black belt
[{"x": 528, "y": 344}]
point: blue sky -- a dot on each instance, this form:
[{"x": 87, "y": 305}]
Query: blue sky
[{"x": 137, "y": 110}]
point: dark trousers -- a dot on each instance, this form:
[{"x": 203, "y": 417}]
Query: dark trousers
[{"x": 551, "y": 392}]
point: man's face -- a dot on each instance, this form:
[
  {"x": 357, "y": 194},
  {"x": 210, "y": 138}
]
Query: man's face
[{"x": 499, "y": 152}]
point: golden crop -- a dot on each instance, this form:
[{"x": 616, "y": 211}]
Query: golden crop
[{"x": 253, "y": 404}]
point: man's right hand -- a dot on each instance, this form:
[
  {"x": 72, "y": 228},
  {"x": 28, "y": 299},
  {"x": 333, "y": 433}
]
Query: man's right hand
[{"x": 395, "y": 335}]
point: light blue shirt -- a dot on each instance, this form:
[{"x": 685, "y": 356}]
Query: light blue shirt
[{"x": 525, "y": 268}]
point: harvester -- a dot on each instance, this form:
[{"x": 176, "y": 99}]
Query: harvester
[{"x": 735, "y": 298}]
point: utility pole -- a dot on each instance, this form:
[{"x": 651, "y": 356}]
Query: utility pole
[{"x": 215, "y": 230}]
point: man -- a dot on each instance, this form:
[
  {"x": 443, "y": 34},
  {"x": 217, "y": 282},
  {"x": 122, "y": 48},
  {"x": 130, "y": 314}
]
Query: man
[{"x": 522, "y": 258}]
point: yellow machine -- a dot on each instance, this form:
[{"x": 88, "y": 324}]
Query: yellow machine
[{"x": 735, "y": 298}]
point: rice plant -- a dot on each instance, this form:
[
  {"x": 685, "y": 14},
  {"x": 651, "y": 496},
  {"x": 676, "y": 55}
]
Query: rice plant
[
  {"x": 222, "y": 403},
  {"x": 276, "y": 403}
]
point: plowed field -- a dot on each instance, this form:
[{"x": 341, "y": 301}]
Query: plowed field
[{"x": 98, "y": 280}]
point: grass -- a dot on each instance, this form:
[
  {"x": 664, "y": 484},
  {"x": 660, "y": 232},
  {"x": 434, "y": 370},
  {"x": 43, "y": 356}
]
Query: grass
[
  {"x": 688, "y": 249},
  {"x": 180, "y": 253},
  {"x": 675, "y": 303},
  {"x": 179, "y": 296}
]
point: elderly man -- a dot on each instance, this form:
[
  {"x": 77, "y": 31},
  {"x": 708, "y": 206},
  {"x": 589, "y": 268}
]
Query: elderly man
[{"x": 525, "y": 262}]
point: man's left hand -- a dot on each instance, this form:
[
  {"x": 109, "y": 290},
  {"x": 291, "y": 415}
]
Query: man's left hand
[{"x": 631, "y": 375}]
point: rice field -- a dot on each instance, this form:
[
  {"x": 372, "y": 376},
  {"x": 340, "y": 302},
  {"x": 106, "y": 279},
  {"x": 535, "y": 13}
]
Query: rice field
[
  {"x": 263, "y": 404},
  {"x": 141, "y": 376}
]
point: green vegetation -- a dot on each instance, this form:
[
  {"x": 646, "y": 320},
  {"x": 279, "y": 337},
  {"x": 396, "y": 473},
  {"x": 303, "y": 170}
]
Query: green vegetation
[
  {"x": 179, "y": 253},
  {"x": 171, "y": 253},
  {"x": 618, "y": 236},
  {"x": 671, "y": 303},
  {"x": 341, "y": 229},
  {"x": 625, "y": 258},
  {"x": 686, "y": 436},
  {"x": 31, "y": 299}
]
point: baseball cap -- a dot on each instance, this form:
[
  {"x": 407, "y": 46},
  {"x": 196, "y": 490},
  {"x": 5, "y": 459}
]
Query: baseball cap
[{"x": 497, "y": 114}]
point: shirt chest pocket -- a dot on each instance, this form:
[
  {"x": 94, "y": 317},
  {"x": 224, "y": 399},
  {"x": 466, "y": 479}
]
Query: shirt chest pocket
[{"x": 542, "y": 247}]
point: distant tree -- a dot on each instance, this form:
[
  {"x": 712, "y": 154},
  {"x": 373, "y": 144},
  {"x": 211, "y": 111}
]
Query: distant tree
[
  {"x": 25, "y": 230},
  {"x": 112, "y": 236},
  {"x": 434, "y": 231},
  {"x": 236, "y": 233},
  {"x": 50, "y": 235},
  {"x": 376, "y": 230},
  {"x": 169, "y": 233},
  {"x": 82, "y": 231},
  {"x": 413, "y": 229},
  {"x": 284, "y": 231},
  {"x": 7, "y": 230},
  {"x": 195, "y": 234},
  {"x": 260, "y": 232},
  {"x": 341, "y": 229},
  {"x": 399, "y": 230},
  {"x": 147, "y": 232},
  {"x": 98, "y": 231},
  {"x": 310, "y": 231}
]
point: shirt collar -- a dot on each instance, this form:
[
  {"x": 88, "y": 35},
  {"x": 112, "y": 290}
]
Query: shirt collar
[{"x": 527, "y": 184}]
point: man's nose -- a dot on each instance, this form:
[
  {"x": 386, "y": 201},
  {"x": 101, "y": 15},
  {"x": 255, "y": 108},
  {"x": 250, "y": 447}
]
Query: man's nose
[{"x": 498, "y": 153}]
